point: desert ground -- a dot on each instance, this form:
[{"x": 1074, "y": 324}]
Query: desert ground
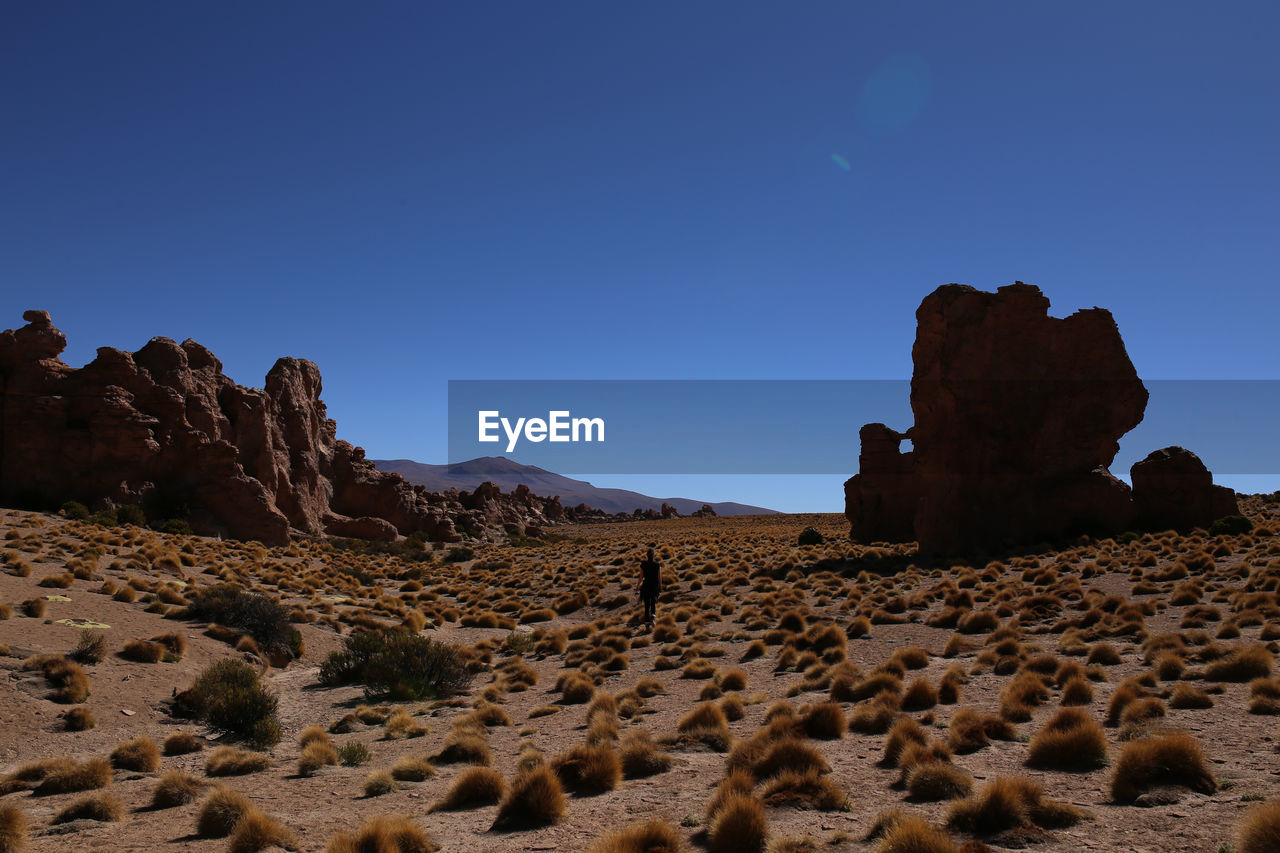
[{"x": 1112, "y": 695}]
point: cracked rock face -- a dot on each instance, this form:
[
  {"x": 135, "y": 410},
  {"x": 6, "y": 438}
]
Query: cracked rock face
[
  {"x": 163, "y": 427},
  {"x": 1018, "y": 416}
]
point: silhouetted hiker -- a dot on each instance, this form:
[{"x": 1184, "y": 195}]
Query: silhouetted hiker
[{"x": 650, "y": 585}]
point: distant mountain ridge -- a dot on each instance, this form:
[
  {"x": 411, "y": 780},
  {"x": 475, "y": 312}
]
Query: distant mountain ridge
[{"x": 507, "y": 474}]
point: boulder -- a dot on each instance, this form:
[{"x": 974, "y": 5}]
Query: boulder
[{"x": 1172, "y": 488}]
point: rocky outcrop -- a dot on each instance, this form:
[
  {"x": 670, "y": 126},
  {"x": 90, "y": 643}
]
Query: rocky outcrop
[
  {"x": 1017, "y": 417},
  {"x": 163, "y": 427},
  {"x": 1173, "y": 488}
]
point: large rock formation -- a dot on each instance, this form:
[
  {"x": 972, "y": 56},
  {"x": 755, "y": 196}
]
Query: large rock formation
[
  {"x": 1017, "y": 417},
  {"x": 164, "y": 428},
  {"x": 1172, "y": 488}
]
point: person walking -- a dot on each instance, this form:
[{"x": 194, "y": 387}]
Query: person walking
[{"x": 650, "y": 585}]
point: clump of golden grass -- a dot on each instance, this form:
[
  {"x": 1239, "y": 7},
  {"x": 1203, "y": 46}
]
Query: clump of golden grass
[
  {"x": 808, "y": 789},
  {"x": 1007, "y": 803},
  {"x": 652, "y": 836},
  {"x": 474, "y": 787},
  {"x": 100, "y": 806},
  {"x": 929, "y": 781},
  {"x": 465, "y": 746},
  {"x": 13, "y": 829},
  {"x": 904, "y": 733},
  {"x": 383, "y": 834},
  {"x": 738, "y": 825},
  {"x": 378, "y": 782},
  {"x": 535, "y": 799},
  {"x": 316, "y": 754},
  {"x": 706, "y": 724},
  {"x": 142, "y": 651},
  {"x": 412, "y": 768},
  {"x": 141, "y": 754},
  {"x": 182, "y": 743},
  {"x": 67, "y": 677},
  {"x": 79, "y": 719},
  {"x": 640, "y": 756},
  {"x": 175, "y": 788},
  {"x": 1186, "y": 696},
  {"x": 402, "y": 725},
  {"x": 1259, "y": 832},
  {"x": 234, "y": 761},
  {"x": 71, "y": 777},
  {"x": 1071, "y": 740},
  {"x": 824, "y": 721},
  {"x": 911, "y": 834},
  {"x": 587, "y": 770},
  {"x": 256, "y": 831},
  {"x": 1243, "y": 664},
  {"x": 1171, "y": 759},
  {"x": 875, "y": 717}
]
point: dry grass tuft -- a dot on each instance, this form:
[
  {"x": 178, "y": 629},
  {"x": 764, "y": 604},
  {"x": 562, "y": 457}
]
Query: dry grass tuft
[
  {"x": 536, "y": 799},
  {"x": 641, "y": 757},
  {"x": 181, "y": 743},
  {"x": 652, "y": 836},
  {"x": 175, "y": 788},
  {"x": 141, "y": 754},
  {"x": 1172, "y": 759},
  {"x": 100, "y": 806},
  {"x": 804, "y": 790},
  {"x": 220, "y": 812},
  {"x": 739, "y": 825},
  {"x": 256, "y": 831},
  {"x": 71, "y": 777},
  {"x": 910, "y": 834},
  {"x": 383, "y": 834},
  {"x": 587, "y": 770},
  {"x": 13, "y": 829},
  {"x": 1259, "y": 832},
  {"x": 1072, "y": 740},
  {"x": 474, "y": 787},
  {"x": 233, "y": 761}
]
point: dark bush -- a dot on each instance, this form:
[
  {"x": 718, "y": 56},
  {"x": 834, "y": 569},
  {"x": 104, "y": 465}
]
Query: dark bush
[
  {"x": 811, "y": 536},
  {"x": 1230, "y": 525},
  {"x": 397, "y": 663},
  {"x": 263, "y": 618},
  {"x": 229, "y": 696},
  {"x": 459, "y": 555},
  {"x": 91, "y": 649},
  {"x": 75, "y": 510},
  {"x": 131, "y": 514},
  {"x": 176, "y": 526}
]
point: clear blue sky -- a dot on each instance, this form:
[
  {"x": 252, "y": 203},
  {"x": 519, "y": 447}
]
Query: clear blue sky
[{"x": 408, "y": 193}]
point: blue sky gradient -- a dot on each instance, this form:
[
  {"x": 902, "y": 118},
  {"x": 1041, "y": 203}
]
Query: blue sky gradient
[{"x": 409, "y": 193}]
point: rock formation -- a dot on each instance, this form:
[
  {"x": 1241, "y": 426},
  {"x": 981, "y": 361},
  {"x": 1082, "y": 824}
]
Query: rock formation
[
  {"x": 1017, "y": 417},
  {"x": 164, "y": 428},
  {"x": 1172, "y": 488}
]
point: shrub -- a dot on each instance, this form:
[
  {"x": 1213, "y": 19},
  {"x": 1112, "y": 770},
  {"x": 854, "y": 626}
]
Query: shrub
[
  {"x": 263, "y": 618},
  {"x": 474, "y": 787},
  {"x": 175, "y": 788},
  {"x": 74, "y": 510},
  {"x": 397, "y": 663},
  {"x": 233, "y": 761},
  {"x": 536, "y": 799},
  {"x": 1173, "y": 759},
  {"x": 1260, "y": 830},
  {"x": 811, "y": 536},
  {"x": 824, "y": 721},
  {"x": 1072, "y": 740},
  {"x": 465, "y": 747},
  {"x": 69, "y": 680},
  {"x": 739, "y": 825},
  {"x": 383, "y": 834},
  {"x": 1230, "y": 525},
  {"x": 354, "y": 754},
  {"x": 141, "y": 754},
  {"x": 91, "y": 648},
  {"x": 1186, "y": 696},
  {"x": 652, "y": 836},
  {"x": 789, "y": 753},
  {"x": 228, "y": 695},
  {"x": 1006, "y": 803},
  {"x": 142, "y": 651},
  {"x": 220, "y": 812},
  {"x": 100, "y": 806}
]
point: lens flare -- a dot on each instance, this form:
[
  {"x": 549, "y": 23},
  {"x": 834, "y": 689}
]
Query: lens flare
[{"x": 841, "y": 162}]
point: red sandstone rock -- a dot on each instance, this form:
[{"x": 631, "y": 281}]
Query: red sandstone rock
[
  {"x": 1173, "y": 488},
  {"x": 165, "y": 428},
  {"x": 1017, "y": 417}
]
